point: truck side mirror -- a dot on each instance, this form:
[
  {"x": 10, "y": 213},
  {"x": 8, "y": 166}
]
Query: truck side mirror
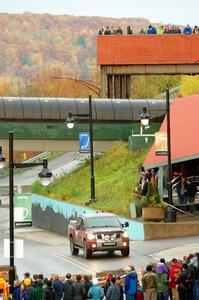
[{"x": 126, "y": 224}]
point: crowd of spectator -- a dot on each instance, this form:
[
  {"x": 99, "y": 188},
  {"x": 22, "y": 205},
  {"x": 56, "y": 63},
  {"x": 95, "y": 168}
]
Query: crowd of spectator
[
  {"x": 162, "y": 29},
  {"x": 176, "y": 280}
]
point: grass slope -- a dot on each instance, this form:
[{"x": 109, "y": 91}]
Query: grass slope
[{"x": 116, "y": 175}]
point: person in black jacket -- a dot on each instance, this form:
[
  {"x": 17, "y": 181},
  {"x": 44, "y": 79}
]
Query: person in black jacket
[
  {"x": 49, "y": 293},
  {"x": 68, "y": 288},
  {"x": 58, "y": 286},
  {"x": 87, "y": 284}
]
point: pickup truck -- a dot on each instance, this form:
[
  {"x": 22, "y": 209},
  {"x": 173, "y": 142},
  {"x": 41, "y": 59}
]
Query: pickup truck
[{"x": 98, "y": 232}]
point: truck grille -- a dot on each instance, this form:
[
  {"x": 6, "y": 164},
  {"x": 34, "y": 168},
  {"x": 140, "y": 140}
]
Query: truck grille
[{"x": 109, "y": 236}]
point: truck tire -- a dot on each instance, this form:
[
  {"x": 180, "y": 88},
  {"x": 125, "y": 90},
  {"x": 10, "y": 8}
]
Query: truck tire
[
  {"x": 73, "y": 250},
  {"x": 125, "y": 252},
  {"x": 87, "y": 253}
]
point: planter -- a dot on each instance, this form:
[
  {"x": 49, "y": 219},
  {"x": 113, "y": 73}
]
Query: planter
[{"x": 153, "y": 213}]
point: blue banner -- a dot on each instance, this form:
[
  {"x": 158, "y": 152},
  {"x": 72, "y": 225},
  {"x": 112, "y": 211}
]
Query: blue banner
[{"x": 84, "y": 142}]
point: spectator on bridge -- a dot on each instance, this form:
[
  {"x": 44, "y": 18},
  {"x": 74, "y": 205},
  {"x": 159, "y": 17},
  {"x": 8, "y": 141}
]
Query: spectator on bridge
[
  {"x": 196, "y": 29},
  {"x": 112, "y": 30},
  {"x": 68, "y": 288},
  {"x": 177, "y": 30},
  {"x": 101, "y": 31},
  {"x": 167, "y": 29},
  {"x": 187, "y": 30},
  {"x": 151, "y": 30},
  {"x": 107, "y": 31},
  {"x": 95, "y": 291},
  {"x": 142, "y": 31},
  {"x": 172, "y": 30},
  {"x": 160, "y": 30},
  {"x": 119, "y": 30},
  {"x": 129, "y": 30}
]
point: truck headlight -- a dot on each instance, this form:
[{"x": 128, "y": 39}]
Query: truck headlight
[
  {"x": 91, "y": 236},
  {"x": 125, "y": 234}
]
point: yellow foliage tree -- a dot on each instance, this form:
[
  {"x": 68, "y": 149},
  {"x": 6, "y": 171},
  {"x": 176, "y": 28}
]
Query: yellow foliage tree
[{"x": 190, "y": 85}]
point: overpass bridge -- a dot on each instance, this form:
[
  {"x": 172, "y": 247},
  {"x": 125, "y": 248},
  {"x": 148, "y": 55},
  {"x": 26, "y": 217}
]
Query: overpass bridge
[
  {"x": 38, "y": 123},
  {"x": 121, "y": 56}
]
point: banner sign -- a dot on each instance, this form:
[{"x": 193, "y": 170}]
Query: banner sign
[
  {"x": 161, "y": 143},
  {"x": 23, "y": 208},
  {"x": 18, "y": 248},
  {"x": 84, "y": 142}
]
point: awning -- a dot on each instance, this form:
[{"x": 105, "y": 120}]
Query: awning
[{"x": 184, "y": 115}]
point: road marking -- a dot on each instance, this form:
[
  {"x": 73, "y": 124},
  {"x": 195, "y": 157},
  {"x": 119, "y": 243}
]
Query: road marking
[{"x": 73, "y": 262}]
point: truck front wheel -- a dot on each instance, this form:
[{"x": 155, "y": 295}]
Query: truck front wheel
[
  {"x": 73, "y": 250},
  {"x": 87, "y": 253},
  {"x": 125, "y": 252}
]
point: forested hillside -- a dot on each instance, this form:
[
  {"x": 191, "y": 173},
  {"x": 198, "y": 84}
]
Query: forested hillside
[
  {"x": 36, "y": 43},
  {"x": 39, "y": 52}
]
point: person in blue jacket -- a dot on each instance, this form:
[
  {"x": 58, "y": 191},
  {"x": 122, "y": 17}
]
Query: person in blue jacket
[
  {"x": 187, "y": 30},
  {"x": 95, "y": 292},
  {"x": 130, "y": 285},
  {"x": 151, "y": 30}
]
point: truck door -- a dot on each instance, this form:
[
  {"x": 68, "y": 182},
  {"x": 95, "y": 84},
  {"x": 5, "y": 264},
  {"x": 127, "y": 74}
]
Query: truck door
[{"x": 80, "y": 234}]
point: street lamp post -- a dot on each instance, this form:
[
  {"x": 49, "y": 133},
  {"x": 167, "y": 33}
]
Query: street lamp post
[
  {"x": 169, "y": 185},
  {"x": 45, "y": 177},
  {"x": 70, "y": 124}
]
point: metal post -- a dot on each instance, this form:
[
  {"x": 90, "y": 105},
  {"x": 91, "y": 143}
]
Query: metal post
[
  {"x": 170, "y": 200},
  {"x": 91, "y": 150},
  {"x": 11, "y": 210}
]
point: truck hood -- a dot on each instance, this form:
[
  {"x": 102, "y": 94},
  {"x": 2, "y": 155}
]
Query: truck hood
[{"x": 104, "y": 230}]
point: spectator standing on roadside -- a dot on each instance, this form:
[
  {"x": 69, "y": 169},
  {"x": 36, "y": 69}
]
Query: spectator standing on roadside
[
  {"x": 79, "y": 289},
  {"x": 38, "y": 293},
  {"x": 149, "y": 284},
  {"x": 49, "y": 293},
  {"x": 173, "y": 276},
  {"x": 68, "y": 288},
  {"x": 35, "y": 280},
  {"x": 16, "y": 293},
  {"x": 113, "y": 292},
  {"x": 95, "y": 292},
  {"x": 24, "y": 293},
  {"x": 58, "y": 286},
  {"x": 187, "y": 30},
  {"x": 130, "y": 284},
  {"x": 185, "y": 284},
  {"x": 87, "y": 284},
  {"x": 27, "y": 280},
  {"x": 162, "y": 282},
  {"x": 129, "y": 30},
  {"x": 118, "y": 283}
]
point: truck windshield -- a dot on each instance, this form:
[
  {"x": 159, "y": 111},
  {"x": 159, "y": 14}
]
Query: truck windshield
[{"x": 103, "y": 222}]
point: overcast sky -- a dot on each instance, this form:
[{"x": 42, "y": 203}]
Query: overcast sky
[{"x": 169, "y": 11}]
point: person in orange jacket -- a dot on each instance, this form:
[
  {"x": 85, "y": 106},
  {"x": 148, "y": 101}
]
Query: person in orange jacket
[{"x": 3, "y": 287}]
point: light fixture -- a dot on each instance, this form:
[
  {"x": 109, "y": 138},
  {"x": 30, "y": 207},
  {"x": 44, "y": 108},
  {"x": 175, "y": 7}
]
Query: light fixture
[
  {"x": 144, "y": 117},
  {"x": 2, "y": 159},
  {"x": 45, "y": 175},
  {"x": 70, "y": 121}
]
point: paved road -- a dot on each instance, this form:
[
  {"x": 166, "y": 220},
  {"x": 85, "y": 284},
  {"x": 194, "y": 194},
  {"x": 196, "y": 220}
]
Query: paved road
[{"x": 49, "y": 253}]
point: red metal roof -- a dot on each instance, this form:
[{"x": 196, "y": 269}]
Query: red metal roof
[
  {"x": 148, "y": 49},
  {"x": 184, "y": 114}
]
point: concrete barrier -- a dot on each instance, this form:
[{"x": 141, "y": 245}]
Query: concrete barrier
[{"x": 55, "y": 215}]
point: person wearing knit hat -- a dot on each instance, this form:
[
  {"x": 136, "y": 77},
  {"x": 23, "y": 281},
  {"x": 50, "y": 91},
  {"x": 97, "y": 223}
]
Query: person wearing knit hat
[{"x": 95, "y": 292}]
